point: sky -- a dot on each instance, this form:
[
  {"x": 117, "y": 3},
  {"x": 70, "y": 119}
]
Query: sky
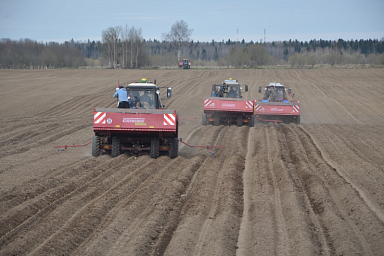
[{"x": 304, "y": 20}]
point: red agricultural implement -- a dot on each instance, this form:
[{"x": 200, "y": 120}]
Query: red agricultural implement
[
  {"x": 226, "y": 105},
  {"x": 275, "y": 105},
  {"x": 145, "y": 126}
]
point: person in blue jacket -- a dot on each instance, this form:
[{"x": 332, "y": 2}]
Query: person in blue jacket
[{"x": 122, "y": 95}]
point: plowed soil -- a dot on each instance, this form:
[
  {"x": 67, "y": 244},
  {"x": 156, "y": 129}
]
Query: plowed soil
[{"x": 311, "y": 189}]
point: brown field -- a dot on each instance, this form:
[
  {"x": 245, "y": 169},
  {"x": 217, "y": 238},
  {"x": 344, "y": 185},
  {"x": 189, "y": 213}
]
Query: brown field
[{"x": 311, "y": 189}]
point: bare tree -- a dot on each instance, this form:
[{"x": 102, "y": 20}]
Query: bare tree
[
  {"x": 110, "y": 38},
  {"x": 178, "y": 35}
]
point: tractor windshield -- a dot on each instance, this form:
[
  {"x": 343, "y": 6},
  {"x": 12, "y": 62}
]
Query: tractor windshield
[
  {"x": 233, "y": 92},
  {"x": 280, "y": 94},
  {"x": 278, "y": 97},
  {"x": 226, "y": 91},
  {"x": 141, "y": 98}
]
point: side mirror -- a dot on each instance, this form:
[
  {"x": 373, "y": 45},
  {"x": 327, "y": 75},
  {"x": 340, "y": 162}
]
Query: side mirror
[
  {"x": 154, "y": 82},
  {"x": 163, "y": 106},
  {"x": 259, "y": 89},
  {"x": 246, "y": 88},
  {"x": 169, "y": 92},
  {"x": 289, "y": 90}
]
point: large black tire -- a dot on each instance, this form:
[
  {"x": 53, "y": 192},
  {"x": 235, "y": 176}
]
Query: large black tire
[
  {"x": 239, "y": 120},
  {"x": 115, "y": 146},
  {"x": 204, "y": 119},
  {"x": 174, "y": 152},
  {"x": 298, "y": 120},
  {"x": 252, "y": 121},
  {"x": 154, "y": 147},
  {"x": 96, "y": 146},
  {"x": 216, "y": 122}
]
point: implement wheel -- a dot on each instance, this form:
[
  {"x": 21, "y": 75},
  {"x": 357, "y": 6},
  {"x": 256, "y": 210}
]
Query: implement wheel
[
  {"x": 252, "y": 121},
  {"x": 204, "y": 119},
  {"x": 216, "y": 122},
  {"x": 115, "y": 146},
  {"x": 239, "y": 120},
  {"x": 154, "y": 147},
  {"x": 174, "y": 152},
  {"x": 96, "y": 146}
]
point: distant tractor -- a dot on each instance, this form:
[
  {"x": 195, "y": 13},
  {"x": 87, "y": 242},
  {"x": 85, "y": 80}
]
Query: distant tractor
[
  {"x": 145, "y": 126},
  {"x": 186, "y": 64},
  {"x": 226, "y": 105},
  {"x": 275, "y": 106}
]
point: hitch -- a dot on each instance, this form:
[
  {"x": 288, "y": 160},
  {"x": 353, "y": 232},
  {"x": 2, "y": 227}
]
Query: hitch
[
  {"x": 209, "y": 151},
  {"x": 64, "y": 147}
]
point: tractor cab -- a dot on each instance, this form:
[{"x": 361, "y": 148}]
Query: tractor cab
[
  {"x": 228, "y": 89},
  {"x": 281, "y": 93},
  {"x": 145, "y": 95},
  {"x": 186, "y": 64}
]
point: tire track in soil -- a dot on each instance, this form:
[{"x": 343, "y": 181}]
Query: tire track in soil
[
  {"x": 149, "y": 232},
  {"x": 39, "y": 202},
  {"x": 42, "y": 135},
  {"x": 281, "y": 243},
  {"x": 47, "y": 242},
  {"x": 211, "y": 215},
  {"x": 140, "y": 237},
  {"x": 54, "y": 180},
  {"x": 348, "y": 222},
  {"x": 128, "y": 192},
  {"x": 45, "y": 214},
  {"x": 366, "y": 185},
  {"x": 304, "y": 117},
  {"x": 337, "y": 102},
  {"x": 276, "y": 213}
]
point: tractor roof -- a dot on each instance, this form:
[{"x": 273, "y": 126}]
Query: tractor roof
[
  {"x": 275, "y": 84},
  {"x": 143, "y": 85},
  {"x": 231, "y": 82}
]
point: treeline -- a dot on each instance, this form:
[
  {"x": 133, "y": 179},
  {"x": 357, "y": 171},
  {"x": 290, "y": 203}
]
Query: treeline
[
  {"x": 292, "y": 52},
  {"x": 29, "y": 54},
  {"x": 124, "y": 47},
  {"x": 314, "y": 52}
]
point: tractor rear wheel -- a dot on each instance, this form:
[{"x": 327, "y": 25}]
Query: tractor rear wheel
[
  {"x": 115, "y": 146},
  {"x": 239, "y": 120},
  {"x": 216, "y": 122},
  {"x": 252, "y": 121},
  {"x": 298, "y": 119},
  {"x": 174, "y": 151},
  {"x": 204, "y": 119},
  {"x": 96, "y": 146},
  {"x": 154, "y": 152}
]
